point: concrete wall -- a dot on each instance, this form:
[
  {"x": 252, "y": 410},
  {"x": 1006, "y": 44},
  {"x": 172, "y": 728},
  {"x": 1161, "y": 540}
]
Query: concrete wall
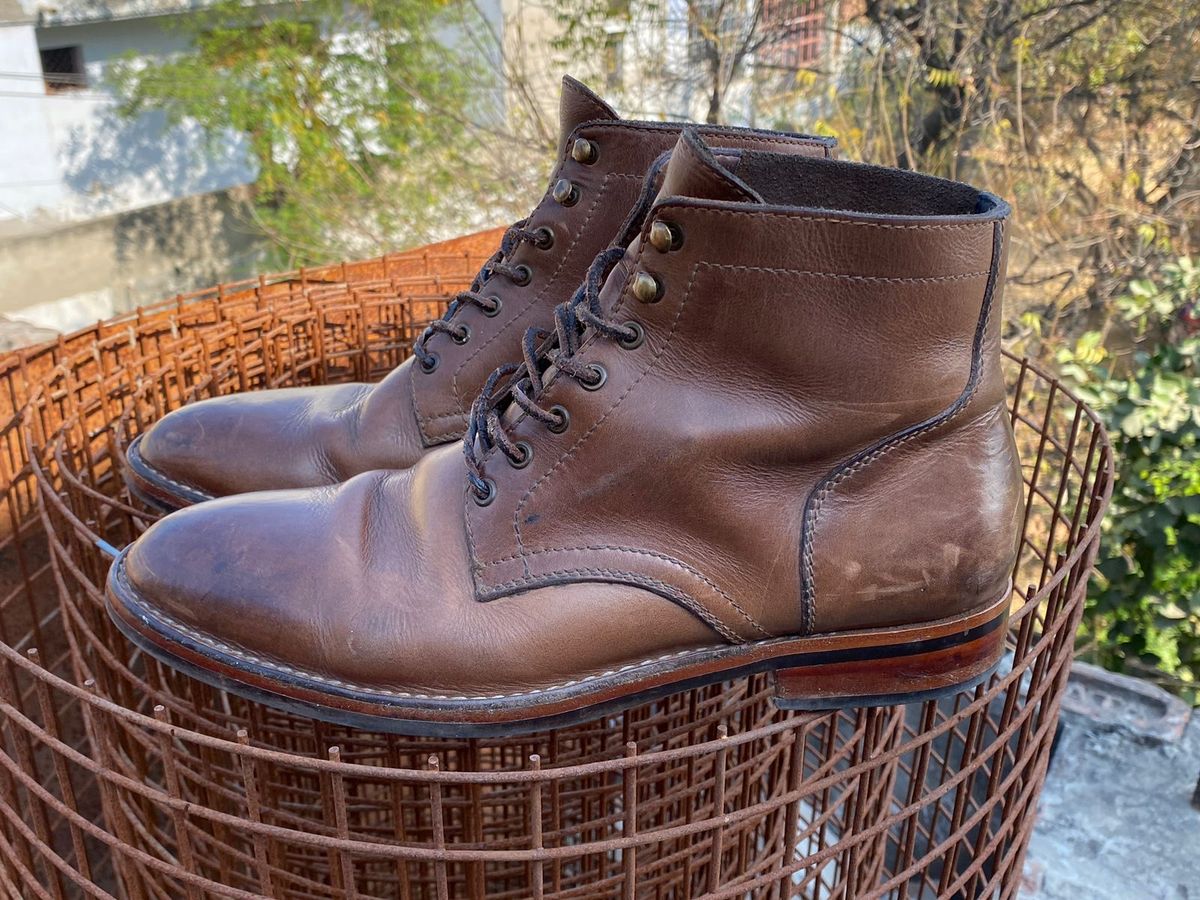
[
  {"x": 65, "y": 12},
  {"x": 100, "y": 213},
  {"x": 109, "y": 163},
  {"x": 69, "y": 276}
]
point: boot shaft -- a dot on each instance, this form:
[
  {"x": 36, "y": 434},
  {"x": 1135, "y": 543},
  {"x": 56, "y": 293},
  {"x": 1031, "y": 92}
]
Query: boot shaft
[
  {"x": 808, "y": 432},
  {"x": 601, "y": 165},
  {"x": 321, "y": 435}
]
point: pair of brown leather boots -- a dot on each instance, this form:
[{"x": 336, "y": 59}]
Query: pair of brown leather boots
[{"x": 720, "y": 404}]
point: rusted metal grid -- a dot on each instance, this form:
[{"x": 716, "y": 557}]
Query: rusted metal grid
[{"x": 121, "y": 777}]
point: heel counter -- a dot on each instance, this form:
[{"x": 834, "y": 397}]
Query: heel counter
[{"x": 927, "y": 531}]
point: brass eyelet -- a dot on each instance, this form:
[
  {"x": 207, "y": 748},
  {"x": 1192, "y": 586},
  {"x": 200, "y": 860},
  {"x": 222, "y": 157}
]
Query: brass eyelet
[
  {"x": 665, "y": 236},
  {"x": 646, "y": 288},
  {"x": 485, "y": 499},
  {"x": 430, "y": 363},
  {"x": 565, "y": 192},
  {"x": 635, "y": 340},
  {"x": 544, "y": 239},
  {"x": 526, "y": 455},
  {"x": 599, "y": 377},
  {"x": 522, "y": 275},
  {"x": 564, "y": 419},
  {"x": 585, "y": 151},
  {"x": 462, "y": 335},
  {"x": 493, "y": 310}
]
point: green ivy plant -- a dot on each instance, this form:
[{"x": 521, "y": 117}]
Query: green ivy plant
[{"x": 1141, "y": 373}]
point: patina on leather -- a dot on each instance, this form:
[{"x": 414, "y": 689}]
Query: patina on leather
[
  {"x": 808, "y": 437},
  {"x": 311, "y": 436}
]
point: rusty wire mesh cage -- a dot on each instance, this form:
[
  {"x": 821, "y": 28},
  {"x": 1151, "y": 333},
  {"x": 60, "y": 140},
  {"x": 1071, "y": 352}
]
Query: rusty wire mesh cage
[{"x": 121, "y": 777}]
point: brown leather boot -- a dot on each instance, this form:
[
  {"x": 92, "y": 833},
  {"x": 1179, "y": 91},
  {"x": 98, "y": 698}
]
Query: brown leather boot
[
  {"x": 773, "y": 438},
  {"x": 305, "y": 437}
]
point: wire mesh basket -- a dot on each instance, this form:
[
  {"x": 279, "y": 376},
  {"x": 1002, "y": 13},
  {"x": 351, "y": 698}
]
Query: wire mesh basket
[{"x": 121, "y": 777}]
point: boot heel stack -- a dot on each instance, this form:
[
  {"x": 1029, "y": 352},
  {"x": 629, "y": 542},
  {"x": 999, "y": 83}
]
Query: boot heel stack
[{"x": 929, "y": 662}]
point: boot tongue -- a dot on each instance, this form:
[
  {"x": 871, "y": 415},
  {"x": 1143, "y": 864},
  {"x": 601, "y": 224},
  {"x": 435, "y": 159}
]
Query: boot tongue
[
  {"x": 694, "y": 172},
  {"x": 577, "y": 105}
]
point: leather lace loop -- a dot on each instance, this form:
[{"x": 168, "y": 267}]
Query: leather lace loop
[
  {"x": 514, "y": 237},
  {"x": 582, "y": 312},
  {"x": 544, "y": 351}
]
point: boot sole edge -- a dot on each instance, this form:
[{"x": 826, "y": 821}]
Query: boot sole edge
[
  {"x": 154, "y": 488},
  {"x": 969, "y": 648}
]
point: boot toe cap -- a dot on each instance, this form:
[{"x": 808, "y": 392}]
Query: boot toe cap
[
  {"x": 244, "y": 442},
  {"x": 368, "y": 585},
  {"x": 227, "y": 569}
]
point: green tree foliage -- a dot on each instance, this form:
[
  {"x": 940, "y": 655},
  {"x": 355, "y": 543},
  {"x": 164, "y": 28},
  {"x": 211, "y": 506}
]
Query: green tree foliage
[
  {"x": 1143, "y": 613},
  {"x": 355, "y": 115},
  {"x": 1086, "y": 113}
]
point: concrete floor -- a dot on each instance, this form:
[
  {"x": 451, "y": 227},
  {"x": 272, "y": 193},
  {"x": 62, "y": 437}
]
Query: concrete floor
[{"x": 1116, "y": 820}]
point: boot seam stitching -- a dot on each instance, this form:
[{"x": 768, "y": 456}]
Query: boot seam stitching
[
  {"x": 719, "y": 132},
  {"x": 828, "y": 220},
  {"x": 896, "y": 440},
  {"x": 121, "y": 575},
  {"x": 523, "y": 552},
  {"x": 595, "y": 425},
  {"x": 447, "y": 434},
  {"x": 637, "y": 580},
  {"x": 297, "y": 670},
  {"x": 159, "y": 473},
  {"x": 616, "y": 401},
  {"x": 719, "y": 183},
  {"x": 423, "y": 419},
  {"x": 596, "y": 205},
  {"x": 842, "y": 276},
  {"x": 670, "y": 560}
]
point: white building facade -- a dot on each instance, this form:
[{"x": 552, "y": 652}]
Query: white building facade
[{"x": 66, "y": 154}]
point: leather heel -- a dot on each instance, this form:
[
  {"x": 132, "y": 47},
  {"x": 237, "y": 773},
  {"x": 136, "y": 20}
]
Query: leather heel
[{"x": 913, "y": 667}]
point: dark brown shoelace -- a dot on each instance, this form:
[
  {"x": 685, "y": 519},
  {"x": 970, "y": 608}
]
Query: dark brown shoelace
[
  {"x": 516, "y": 235},
  {"x": 524, "y": 383},
  {"x": 571, "y": 319}
]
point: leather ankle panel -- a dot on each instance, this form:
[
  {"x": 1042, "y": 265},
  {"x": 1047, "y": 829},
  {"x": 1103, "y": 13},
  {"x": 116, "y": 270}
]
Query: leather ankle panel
[{"x": 923, "y": 533}]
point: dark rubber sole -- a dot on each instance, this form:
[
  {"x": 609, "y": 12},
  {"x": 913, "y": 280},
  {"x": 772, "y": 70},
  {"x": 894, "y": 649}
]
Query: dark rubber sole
[
  {"x": 875, "y": 667},
  {"x": 155, "y": 489}
]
